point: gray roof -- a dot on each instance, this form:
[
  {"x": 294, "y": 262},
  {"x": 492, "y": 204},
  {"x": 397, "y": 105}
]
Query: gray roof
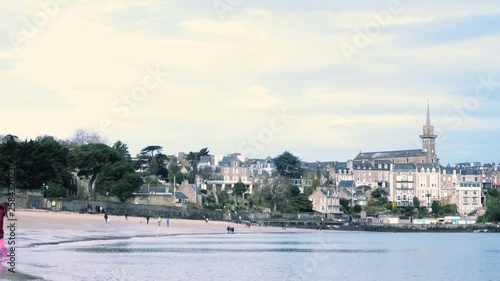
[
  {"x": 328, "y": 192},
  {"x": 156, "y": 189},
  {"x": 407, "y": 167},
  {"x": 180, "y": 195},
  {"x": 427, "y": 166},
  {"x": 390, "y": 154},
  {"x": 362, "y": 165},
  {"x": 226, "y": 161},
  {"x": 346, "y": 184}
]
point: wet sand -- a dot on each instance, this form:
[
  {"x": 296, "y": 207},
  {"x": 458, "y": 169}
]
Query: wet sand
[
  {"x": 67, "y": 221},
  {"x": 38, "y": 228}
]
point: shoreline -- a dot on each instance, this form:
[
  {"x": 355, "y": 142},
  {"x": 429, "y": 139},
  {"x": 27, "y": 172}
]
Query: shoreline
[{"x": 38, "y": 228}]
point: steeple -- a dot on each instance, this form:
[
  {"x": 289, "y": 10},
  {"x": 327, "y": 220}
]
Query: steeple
[
  {"x": 428, "y": 128},
  {"x": 429, "y": 139}
]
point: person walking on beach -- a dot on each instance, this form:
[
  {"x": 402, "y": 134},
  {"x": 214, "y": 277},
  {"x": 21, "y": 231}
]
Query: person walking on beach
[
  {"x": 4, "y": 207},
  {"x": 105, "y": 217},
  {"x": 126, "y": 216},
  {"x": 159, "y": 220},
  {"x": 147, "y": 219},
  {"x": 168, "y": 222}
]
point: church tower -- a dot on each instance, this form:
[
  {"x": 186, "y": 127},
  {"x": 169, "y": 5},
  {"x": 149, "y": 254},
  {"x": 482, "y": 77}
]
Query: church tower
[{"x": 429, "y": 140}]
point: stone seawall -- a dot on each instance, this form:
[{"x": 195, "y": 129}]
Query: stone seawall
[{"x": 141, "y": 210}]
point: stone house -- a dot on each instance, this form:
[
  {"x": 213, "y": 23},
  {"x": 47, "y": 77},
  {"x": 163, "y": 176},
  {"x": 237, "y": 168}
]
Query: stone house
[
  {"x": 402, "y": 186},
  {"x": 326, "y": 200},
  {"x": 191, "y": 191}
]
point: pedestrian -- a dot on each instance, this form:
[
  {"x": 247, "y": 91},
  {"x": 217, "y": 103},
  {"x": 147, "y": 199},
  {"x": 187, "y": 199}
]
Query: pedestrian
[
  {"x": 106, "y": 218},
  {"x": 228, "y": 229},
  {"x": 4, "y": 207},
  {"x": 168, "y": 222},
  {"x": 159, "y": 220},
  {"x": 147, "y": 219},
  {"x": 126, "y": 216}
]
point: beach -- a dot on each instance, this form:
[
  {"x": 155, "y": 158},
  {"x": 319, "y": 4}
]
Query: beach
[{"x": 37, "y": 228}]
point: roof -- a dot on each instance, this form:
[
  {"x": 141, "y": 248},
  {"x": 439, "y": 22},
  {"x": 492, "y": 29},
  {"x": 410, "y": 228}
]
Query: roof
[
  {"x": 227, "y": 160},
  {"x": 346, "y": 184},
  {"x": 328, "y": 192},
  {"x": 390, "y": 154},
  {"x": 180, "y": 195},
  {"x": 156, "y": 189},
  {"x": 406, "y": 167}
]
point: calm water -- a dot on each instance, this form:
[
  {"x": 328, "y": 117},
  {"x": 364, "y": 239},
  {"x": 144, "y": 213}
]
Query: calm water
[{"x": 281, "y": 256}]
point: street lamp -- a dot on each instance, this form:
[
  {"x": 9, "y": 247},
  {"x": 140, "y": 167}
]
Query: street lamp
[{"x": 44, "y": 187}]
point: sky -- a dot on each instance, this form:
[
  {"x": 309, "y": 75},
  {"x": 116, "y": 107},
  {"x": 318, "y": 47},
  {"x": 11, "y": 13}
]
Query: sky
[{"x": 321, "y": 79}]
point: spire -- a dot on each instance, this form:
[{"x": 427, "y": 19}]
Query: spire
[{"x": 428, "y": 123}]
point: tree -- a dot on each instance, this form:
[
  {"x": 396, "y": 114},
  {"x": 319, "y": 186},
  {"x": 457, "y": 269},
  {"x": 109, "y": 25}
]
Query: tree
[
  {"x": 118, "y": 179},
  {"x": 122, "y": 150},
  {"x": 357, "y": 209},
  {"x": 436, "y": 207},
  {"x": 239, "y": 188},
  {"x": 90, "y": 159},
  {"x": 288, "y": 165},
  {"x": 378, "y": 193},
  {"x": 301, "y": 203},
  {"x": 345, "y": 203},
  {"x": 195, "y": 157},
  {"x": 35, "y": 162},
  {"x": 82, "y": 137},
  {"x": 416, "y": 202},
  {"x": 150, "y": 150},
  {"x": 279, "y": 191},
  {"x": 294, "y": 191}
]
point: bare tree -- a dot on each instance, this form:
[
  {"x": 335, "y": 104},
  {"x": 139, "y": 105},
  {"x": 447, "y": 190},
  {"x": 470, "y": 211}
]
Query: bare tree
[{"x": 82, "y": 136}]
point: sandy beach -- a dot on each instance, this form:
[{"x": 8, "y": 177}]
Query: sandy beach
[
  {"x": 35, "y": 228},
  {"x": 67, "y": 221}
]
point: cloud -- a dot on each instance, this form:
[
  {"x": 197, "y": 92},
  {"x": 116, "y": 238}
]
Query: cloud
[{"x": 227, "y": 76}]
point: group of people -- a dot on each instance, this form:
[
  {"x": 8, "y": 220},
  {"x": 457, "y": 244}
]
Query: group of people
[
  {"x": 98, "y": 209},
  {"x": 159, "y": 220},
  {"x": 230, "y": 229},
  {"x": 107, "y": 220}
]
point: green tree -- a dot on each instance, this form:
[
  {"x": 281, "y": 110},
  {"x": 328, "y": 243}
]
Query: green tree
[
  {"x": 294, "y": 191},
  {"x": 194, "y": 158},
  {"x": 345, "y": 203},
  {"x": 90, "y": 159},
  {"x": 118, "y": 179},
  {"x": 450, "y": 209},
  {"x": 416, "y": 202},
  {"x": 239, "y": 188},
  {"x": 36, "y": 162},
  {"x": 288, "y": 165},
  {"x": 378, "y": 193},
  {"x": 122, "y": 150},
  {"x": 301, "y": 203},
  {"x": 436, "y": 207},
  {"x": 357, "y": 209},
  {"x": 151, "y": 150}
]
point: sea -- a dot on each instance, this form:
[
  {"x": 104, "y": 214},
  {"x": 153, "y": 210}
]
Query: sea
[{"x": 320, "y": 255}]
